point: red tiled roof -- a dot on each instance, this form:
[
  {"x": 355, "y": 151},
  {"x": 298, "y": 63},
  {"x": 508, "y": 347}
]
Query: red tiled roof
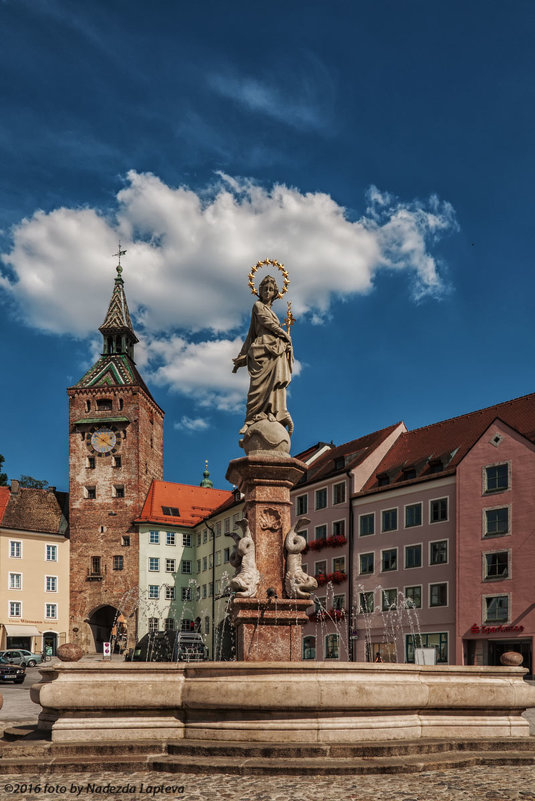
[
  {"x": 344, "y": 457},
  {"x": 449, "y": 441},
  {"x": 4, "y": 498},
  {"x": 193, "y": 503}
]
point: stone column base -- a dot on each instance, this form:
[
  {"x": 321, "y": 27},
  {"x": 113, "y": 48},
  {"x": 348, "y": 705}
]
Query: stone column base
[{"x": 268, "y": 631}]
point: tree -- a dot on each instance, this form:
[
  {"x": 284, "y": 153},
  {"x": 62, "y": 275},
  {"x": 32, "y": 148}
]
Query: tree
[
  {"x": 32, "y": 483},
  {"x": 3, "y": 476}
]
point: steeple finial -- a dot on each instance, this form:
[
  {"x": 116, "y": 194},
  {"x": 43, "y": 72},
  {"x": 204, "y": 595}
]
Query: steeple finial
[
  {"x": 206, "y": 477},
  {"x": 119, "y": 254}
]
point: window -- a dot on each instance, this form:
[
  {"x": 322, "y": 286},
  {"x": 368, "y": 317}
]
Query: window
[
  {"x": 382, "y": 479},
  {"x": 413, "y": 556},
  {"x": 91, "y": 463},
  {"x": 125, "y": 540},
  {"x": 302, "y": 505},
  {"x": 320, "y": 533},
  {"x": 154, "y": 564},
  {"x": 438, "y": 510},
  {"x": 198, "y": 538},
  {"x": 15, "y": 581},
  {"x": 217, "y": 530},
  {"x": 309, "y": 647},
  {"x": 205, "y": 563},
  {"x": 211, "y": 589},
  {"x": 118, "y": 563},
  {"x": 320, "y": 568},
  {"x": 436, "y": 466},
  {"x": 204, "y": 590},
  {"x": 497, "y": 478},
  {"x": 186, "y": 625},
  {"x": 366, "y": 525},
  {"x": 389, "y": 559},
  {"x": 496, "y": 608},
  {"x": 185, "y": 593},
  {"x": 153, "y": 624},
  {"x": 496, "y": 522},
  {"x": 408, "y": 473},
  {"x": 438, "y": 594},
  {"x": 339, "y": 493},
  {"x": 117, "y": 461},
  {"x": 15, "y": 549},
  {"x": 169, "y": 624},
  {"x": 205, "y": 536},
  {"x": 389, "y": 600},
  {"x": 438, "y": 552},
  {"x": 91, "y": 493},
  {"x": 154, "y": 591},
  {"x": 496, "y": 565},
  {"x": 186, "y": 539},
  {"x": 170, "y": 511},
  {"x": 390, "y": 519},
  {"x": 366, "y": 602},
  {"x": 96, "y": 569},
  {"x": 218, "y": 558},
  {"x": 366, "y": 563},
  {"x": 186, "y": 566},
  {"x": 437, "y": 641},
  {"x": 413, "y": 596},
  {"x": 15, "y": 609},
  {"x": 51, "y": 583},
  {"x": 154, "y": 537},
  {"x": 226, "y": 555},
  {"x": 339, "y": 564},
  {"x": 104, "y": 404},
  {"x": 210, "y": 561},
  {"x": 339, "y": 528},
  {"x": 332, "y": 646},
  {"x": 207, "y": 625},
  {"x": 198, "y": 565},
  {"x": 170, "y": 594},
  {"x": 413, "y": 515},
  {"x": 226, "y": 525},
  {"x": 51, "y": 553},
  {"x": 170, "y": 565},
  {"x": 51, "y": 611},
  {"x": 339, "y": 602},
  {"x": 320, "y": 498},
  {"x": 197, "y": 593}
]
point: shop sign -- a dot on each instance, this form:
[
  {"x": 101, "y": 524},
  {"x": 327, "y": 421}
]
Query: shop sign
[{"x": 494, "y": 629}]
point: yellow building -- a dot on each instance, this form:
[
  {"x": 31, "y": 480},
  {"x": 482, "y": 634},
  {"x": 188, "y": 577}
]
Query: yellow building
[{"x": 34, "y": 568}]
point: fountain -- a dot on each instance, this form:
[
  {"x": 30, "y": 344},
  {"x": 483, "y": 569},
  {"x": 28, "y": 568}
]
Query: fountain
[{"x": 268, "y": 695}]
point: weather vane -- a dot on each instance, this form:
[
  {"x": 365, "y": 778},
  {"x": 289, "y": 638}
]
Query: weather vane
[{"x": 119, "y": 254}]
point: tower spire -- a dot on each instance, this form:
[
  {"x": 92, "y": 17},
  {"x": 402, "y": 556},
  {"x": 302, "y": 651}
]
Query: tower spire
[
  {"x": 117, "y": 330},
  {"x": 206, "y": 482}
]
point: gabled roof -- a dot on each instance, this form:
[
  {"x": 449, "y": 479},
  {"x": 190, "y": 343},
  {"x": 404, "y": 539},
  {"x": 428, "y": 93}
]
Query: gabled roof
[
  {"x": 113, "y": 369},
  {"x": 4, "y": 498},
  {"x": 436, "y": 450},
  {"x": 342, "y": 458},
  {"x": 39, "y": 510},
  {"x": 188, "y": 504}
]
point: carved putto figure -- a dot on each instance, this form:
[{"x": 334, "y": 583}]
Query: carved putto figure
[
  {"x": 267, "y": 352},
  {"x": 297, "y": 583},
  {"x": 243, "y": 560}
]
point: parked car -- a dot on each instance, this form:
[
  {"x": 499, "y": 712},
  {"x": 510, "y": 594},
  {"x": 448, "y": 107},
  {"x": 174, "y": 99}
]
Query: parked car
[
  {"x": 10, "y": 672},
  {"x": 19, "y": 656},
  {"x": 169, "y": 646}
]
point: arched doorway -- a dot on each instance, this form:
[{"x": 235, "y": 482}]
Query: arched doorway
[{"x": 101, "y": 623}]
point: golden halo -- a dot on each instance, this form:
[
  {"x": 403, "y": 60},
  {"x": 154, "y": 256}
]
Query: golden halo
[{"x": 273, "y": 263}]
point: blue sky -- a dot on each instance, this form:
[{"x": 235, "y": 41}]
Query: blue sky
[{"x": 382, "y": 150}]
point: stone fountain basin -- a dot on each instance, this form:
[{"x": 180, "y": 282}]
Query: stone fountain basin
[{"x": 280, "y": 701}]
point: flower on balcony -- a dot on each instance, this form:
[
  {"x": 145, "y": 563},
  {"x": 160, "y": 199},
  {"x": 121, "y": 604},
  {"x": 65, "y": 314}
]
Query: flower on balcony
[
  {"x": 321, "y": 578},
  {"x": 317, "y": 617},
  {"x": 337, "y": 577},
  {"x": 337, "y": 539},
  {"x": 337, "y": 614},
  {"x": 317, "y": 545}
]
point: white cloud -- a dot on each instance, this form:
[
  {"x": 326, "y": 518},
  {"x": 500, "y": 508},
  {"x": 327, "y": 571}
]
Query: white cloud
[
  {"x": 187, "y": 262},
  {"x": 192, "y": 424}
]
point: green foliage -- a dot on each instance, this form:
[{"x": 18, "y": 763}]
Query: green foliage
[
  {"x": 3, "y": 476},
  {"x": 32, "y": 483}
]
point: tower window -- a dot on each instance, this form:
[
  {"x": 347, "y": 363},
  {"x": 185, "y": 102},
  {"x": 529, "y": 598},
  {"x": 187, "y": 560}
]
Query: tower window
[
  {"x": 88, "y": 405},
  {"x": 118, "y": 562},
  {"x": 95, "y": 566},
  {"x": 118, "y": 491},
  {"x": 121, "y": 403},
  {"x": 116, "y": 461},
  {"x": 125, "y": 540},
  {"x": 91, "y": 493},
  {"x": 104, "y": 404},
  {"x": 90, "y": 463}
]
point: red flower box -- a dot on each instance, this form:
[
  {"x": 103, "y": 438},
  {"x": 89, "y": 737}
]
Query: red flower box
[{"x": 338, "y": 539}]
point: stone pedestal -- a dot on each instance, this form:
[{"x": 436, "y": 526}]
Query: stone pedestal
[{"x": 268, "y": 626}]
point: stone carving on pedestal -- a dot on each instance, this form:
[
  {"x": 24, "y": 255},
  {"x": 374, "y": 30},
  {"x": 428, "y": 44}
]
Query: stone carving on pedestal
[
  {"x": 297, "y": 583},
  {"x": 243, "y": 560},
  {"x": 268, "y": 354}
]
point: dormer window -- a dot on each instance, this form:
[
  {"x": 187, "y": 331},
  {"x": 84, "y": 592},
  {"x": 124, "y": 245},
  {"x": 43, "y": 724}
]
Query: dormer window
[
  {"x": 382, "y": 479},
  {"x": 172, "y": 511},
  {"x": 408, "y": 473},
  {"x": 436, "y": 466},
  {"x": 339, "y": 463}
]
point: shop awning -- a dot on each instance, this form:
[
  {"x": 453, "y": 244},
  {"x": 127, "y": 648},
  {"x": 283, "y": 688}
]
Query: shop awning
[{"x": 19, "y": 630}]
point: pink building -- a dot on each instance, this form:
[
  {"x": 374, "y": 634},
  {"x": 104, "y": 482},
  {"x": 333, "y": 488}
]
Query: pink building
[{"x": 445, "y": 526}]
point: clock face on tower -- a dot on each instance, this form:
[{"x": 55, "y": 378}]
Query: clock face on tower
[{"x": 103, "y": 440}]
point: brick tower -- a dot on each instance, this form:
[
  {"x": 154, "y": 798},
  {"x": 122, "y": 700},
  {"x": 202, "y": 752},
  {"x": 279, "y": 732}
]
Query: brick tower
[{"x": 115, "y": 451}]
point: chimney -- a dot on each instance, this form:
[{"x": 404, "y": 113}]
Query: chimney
[{"x": 14, "y": 487}]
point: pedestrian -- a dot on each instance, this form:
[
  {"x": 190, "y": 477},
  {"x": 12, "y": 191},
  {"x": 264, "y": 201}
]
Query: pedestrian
[{"x": 378, "y": 657}]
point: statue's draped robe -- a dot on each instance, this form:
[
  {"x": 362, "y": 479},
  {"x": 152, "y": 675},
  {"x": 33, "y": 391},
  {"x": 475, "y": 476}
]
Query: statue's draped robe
[{"x": 267, "y": 362}]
